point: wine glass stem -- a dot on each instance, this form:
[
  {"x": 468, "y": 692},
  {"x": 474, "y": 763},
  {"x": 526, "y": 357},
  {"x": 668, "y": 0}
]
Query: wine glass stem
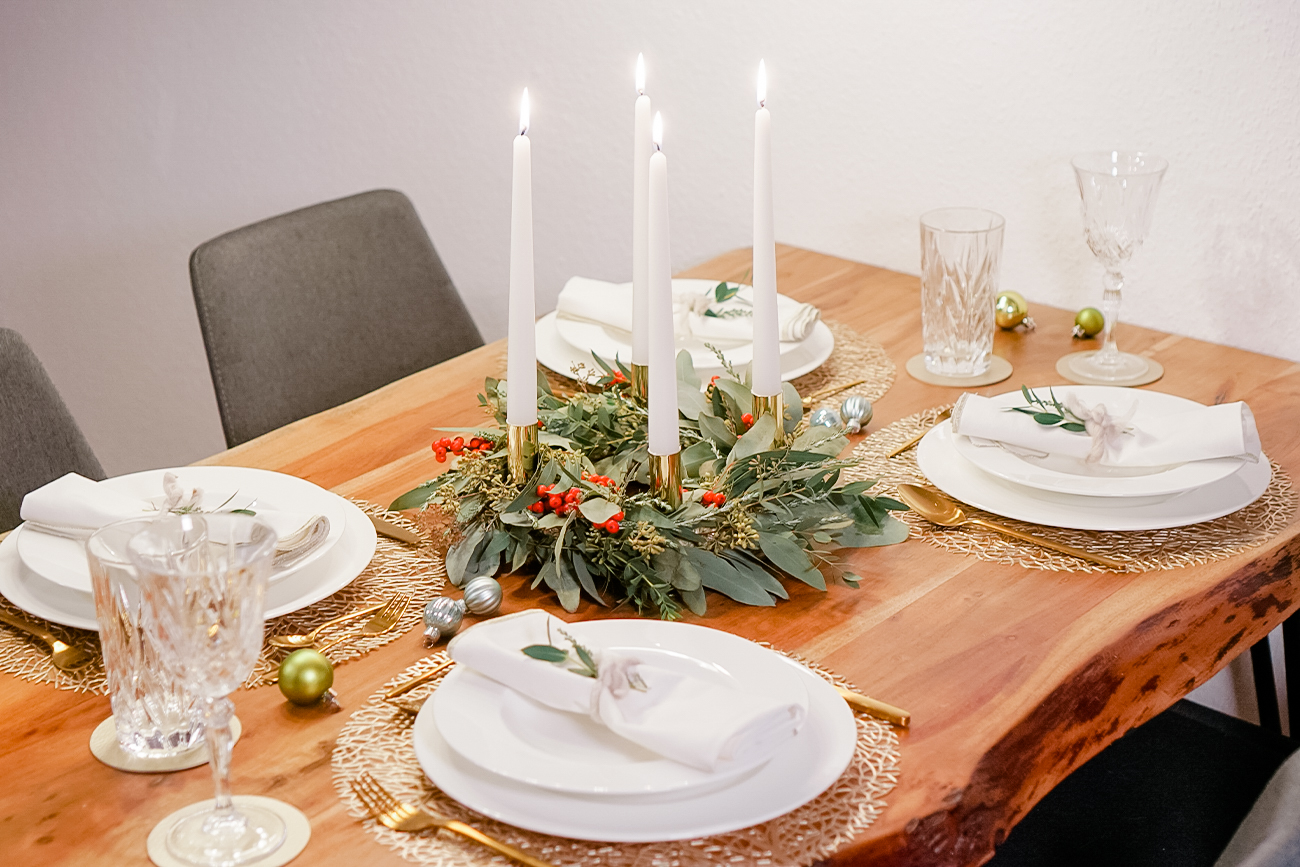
[
  {"x": 216, "y": 721},
  {"x": 1112, "y": 284}
]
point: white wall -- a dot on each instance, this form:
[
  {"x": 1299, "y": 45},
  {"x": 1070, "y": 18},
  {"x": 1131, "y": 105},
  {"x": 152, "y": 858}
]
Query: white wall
[{"x": 131, "y": 131}]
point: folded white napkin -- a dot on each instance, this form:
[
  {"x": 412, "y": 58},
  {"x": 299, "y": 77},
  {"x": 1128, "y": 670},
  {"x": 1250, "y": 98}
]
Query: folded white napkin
[
  {"x": 1111, "y": 439},
  {"x": 73, "y": 505},
  {"x": 681, "y": 717},
  {"x": 610, "y": 304}
]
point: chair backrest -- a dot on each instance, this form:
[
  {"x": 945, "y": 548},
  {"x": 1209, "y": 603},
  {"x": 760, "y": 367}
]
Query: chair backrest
[
  {"x": 313, "y": 308},
  {"x": 39, "y": 438},
  {"x": 1266, "y": 687}
]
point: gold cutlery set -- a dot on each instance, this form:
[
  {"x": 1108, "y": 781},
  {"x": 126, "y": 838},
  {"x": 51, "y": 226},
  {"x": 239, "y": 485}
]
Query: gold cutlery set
[{"x": 386, "y": 616}]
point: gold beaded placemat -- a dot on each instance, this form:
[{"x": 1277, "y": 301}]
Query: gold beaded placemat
[
  {"x": 855, "y": 357},
  {"x": 395, "y": 568},
  {"x": 377, "y": 740},
  {"x": 1142, "y": 550}
]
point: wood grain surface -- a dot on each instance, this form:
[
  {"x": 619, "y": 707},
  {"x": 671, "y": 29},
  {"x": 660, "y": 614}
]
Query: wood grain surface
[{"x": 1014, "y": 677}]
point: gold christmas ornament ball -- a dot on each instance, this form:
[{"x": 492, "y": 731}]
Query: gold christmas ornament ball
[
  {"x": 1088, "y": 322},
  {"x": 305, "y": 676},
  {"x": 1011, "y": 309}
]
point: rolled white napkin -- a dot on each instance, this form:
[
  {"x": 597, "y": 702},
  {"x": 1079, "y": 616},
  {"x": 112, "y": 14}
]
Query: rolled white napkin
[
  {"x": 73, "y": 505},
  {"x": 1111, "y": 439},
  {"x": 681, "y": 717},
  {"x": 610, "y": 304}
]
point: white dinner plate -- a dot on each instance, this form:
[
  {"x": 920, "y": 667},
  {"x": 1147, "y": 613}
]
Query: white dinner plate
[
  {"x": 561, "y": 356},
  {"x": 953, "y": 474},
  {"x": 505, "y": 732},
  {"x": 610, "y": 343},
  {"x": 810, "y": 763},
  {"x": 63, "y": 561},
  {"x": 329, "y": 574},
  {"x": 1064, "y": 475}
]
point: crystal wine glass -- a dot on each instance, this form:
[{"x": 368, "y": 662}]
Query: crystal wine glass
[
  {"x": 1119, "y": 190},
  {"x": 204, "y": 580}
]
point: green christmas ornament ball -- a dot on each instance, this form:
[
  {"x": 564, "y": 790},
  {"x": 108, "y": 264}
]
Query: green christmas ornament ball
[
  {"x": 1088, "y": 322},
  {"x": 305, "y": 676}
]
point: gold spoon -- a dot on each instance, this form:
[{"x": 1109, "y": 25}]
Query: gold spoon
[{"x": 939, "y": 509}]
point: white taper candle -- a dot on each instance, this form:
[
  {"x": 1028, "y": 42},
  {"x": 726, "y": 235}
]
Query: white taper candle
[
  {"x": 641, "y": 148},
  {"x": 521, "y": 363},
  {"x": 766, "y": 369},
  {"x": 663, "y": 436}
]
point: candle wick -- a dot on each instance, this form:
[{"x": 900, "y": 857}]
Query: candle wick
[
  {"x": 658, "y": 147},
  {"x": 762, "y": 103}
]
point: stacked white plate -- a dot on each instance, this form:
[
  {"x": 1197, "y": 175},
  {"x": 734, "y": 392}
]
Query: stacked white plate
[
  {"x": 48, "y": 576},
  {"x": 564, "y": 343},
  {"x": 1060, "y": 492},
  {"x": 518, "y": 761}
]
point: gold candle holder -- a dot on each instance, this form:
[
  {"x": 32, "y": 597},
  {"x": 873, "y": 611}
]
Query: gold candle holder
[
  {"x": 521, "y": 451},
  {"x": 640, "y": 383},
  {"x": 666, "y": 478},
  {"x": 775, "y": 407}
]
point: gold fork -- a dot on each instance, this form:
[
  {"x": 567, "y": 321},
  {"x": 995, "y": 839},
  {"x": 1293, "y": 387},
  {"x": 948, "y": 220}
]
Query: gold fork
[
  {"x": 392, "y": 813},
  {"x": 943, "y": 416},
  {"x": 65, "y": 657},
  {"x": 307, "y": 639},
  {"x": 384, "y": 620}
]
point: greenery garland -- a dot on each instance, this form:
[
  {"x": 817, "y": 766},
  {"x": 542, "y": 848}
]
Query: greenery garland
[{"x": 751, "y": 513}]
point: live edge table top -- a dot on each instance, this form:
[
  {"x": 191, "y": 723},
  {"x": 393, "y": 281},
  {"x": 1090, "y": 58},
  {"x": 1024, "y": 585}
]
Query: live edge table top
[{"x": 1014, "y": 677}]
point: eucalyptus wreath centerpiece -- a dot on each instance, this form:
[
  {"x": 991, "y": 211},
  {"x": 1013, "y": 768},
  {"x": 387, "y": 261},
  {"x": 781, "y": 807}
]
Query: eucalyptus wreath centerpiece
[{"x": 587, "y": 522}]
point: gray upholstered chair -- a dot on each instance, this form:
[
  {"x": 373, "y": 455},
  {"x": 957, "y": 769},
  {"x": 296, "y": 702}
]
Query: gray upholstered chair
[
  {"x": 39, "y": 438},
  {"x": 313, "y": 308}
]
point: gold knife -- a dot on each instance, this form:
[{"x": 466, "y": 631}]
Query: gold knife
[
  {"x": 392, "y": 531},
  {"x": 877, "y": 709}
]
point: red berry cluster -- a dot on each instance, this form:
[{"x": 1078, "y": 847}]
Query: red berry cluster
[
  {"x": 617, "y": 378},
  {"x": 598, "y": 480},
  {"x": 564, "y": 502},
  {"x": 713, "y": 498},
  {"x": 458, "y": 445},
  {"x": 747, "y": 420}
]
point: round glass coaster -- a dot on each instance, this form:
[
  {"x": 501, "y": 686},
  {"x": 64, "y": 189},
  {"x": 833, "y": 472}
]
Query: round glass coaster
[
  {"x": 297, "y": 831},
  {"x": 104, "y": 746},
  {"x": 1066, "y": 367},
  {"x": 999, "y": 369}
]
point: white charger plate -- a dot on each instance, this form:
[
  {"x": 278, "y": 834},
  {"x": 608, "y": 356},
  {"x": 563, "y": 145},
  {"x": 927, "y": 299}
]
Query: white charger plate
[
  {"x": 811, "y": 762},
  {"x": 559, "y": 355},
  {"x": 63, "y": 561},
  {"x": 950, "y": 472},
  {"x": 514, "y": 736},
  {"x": 329, "y": 574},
  {"x": 1068, "y": 476},
  {"x": 609, "y": 343}
]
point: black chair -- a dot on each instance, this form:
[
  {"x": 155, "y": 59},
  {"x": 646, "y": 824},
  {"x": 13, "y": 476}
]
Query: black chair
[
  {"x": 310, "y": 309},
  {"x": 1173, "y": 791},
  {"x": 39, "y": 438}
]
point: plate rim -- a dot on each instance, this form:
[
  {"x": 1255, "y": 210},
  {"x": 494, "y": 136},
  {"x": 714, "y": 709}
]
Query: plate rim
[
  {"x": 932, "y": 447},
  {"x": 825, "y": 707},
  {"x": 694, "y": 778},
  {"x": 971, "y": 452}
]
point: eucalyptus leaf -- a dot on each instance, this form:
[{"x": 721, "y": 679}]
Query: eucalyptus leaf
[
  {"x": 789, "y": 557},
  {"x": 585, "y": 580},
  {"x": 598, "y": 510},
  {"x": 546, "y": 652},
  {"x": 550, "y": 521},
  {"x": 716, "y": 429},
  {"x": 686, "y": 370},
  {"x": 892, "y": 531},
  {"x": 459, "y": 554},
  {"x": 742, "y": 396},
  {"x": 793, "y": 406},
  {"x": 755, "y": 440},
  {"x": 416, "y": 497},
  {"x": 694, "y": 456},
  {"x": 717, "y": 574},
  {"x": 562, "y": 580},
  {"x": 691, "y": 402},
  {"x": 750, "y": 568},
  {"x": 695, "y": 600}
]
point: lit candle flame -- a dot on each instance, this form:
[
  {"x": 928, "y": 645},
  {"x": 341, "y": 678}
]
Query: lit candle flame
[
  {"x": 657, "y": 131},
  {"x": 523, "y": 113},
  {"x": 762, "y": 84},
  {"x": 640, "y": 73}
]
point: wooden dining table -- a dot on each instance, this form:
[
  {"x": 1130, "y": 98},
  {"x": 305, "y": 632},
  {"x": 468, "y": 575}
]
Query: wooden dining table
[{"x": 1014, "y": 677}]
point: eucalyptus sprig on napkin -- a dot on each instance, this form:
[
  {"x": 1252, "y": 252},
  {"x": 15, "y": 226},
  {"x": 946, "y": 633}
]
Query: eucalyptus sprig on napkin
[
  {"x": 752, "y": 513},
  {"x": 1053, "y": 414}
]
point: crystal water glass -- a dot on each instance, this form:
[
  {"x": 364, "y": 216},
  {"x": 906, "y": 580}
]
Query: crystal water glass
[
  {"x": 153, "y": 713},
  {"x": 961, "y": 260},
  {"x": 1118, "y": 190},
  {"x": 204, "y": 577}
]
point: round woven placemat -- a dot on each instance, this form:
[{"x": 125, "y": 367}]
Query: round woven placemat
[
  {"x": 856, "y": 357},
  {"x": 377, "y": 740},
  {"x": 395, "y": 568},
  {"x": 1143, "y": 550}
]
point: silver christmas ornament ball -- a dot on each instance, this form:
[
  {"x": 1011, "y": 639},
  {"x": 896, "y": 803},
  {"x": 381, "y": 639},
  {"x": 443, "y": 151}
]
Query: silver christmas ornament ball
[
  {"x": 856, "y": 412},
  {"x": 483, "y": 595},
  {"x": 825, "y": 417},
  {"x": 442, "y": 617}
]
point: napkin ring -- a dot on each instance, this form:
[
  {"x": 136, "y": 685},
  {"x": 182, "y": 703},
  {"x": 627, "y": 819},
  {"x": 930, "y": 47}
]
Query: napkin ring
[
  {"x": 521, "y": 451},
  {"x": 666, "y": 478},
  {"x": 775, "y": 407}
]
